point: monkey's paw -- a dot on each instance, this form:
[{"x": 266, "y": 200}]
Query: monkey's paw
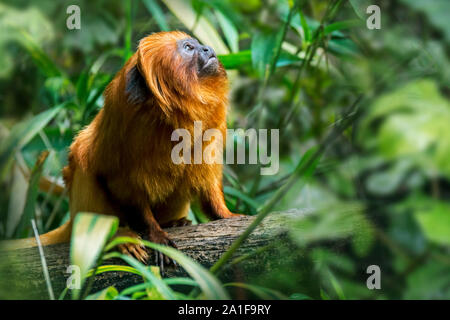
[
  {"x": 178, "y": 223},
  {"x": 234, "y": 215},
  {"x": 139, "y": 251},
  {"x": 161, "y": 237}
]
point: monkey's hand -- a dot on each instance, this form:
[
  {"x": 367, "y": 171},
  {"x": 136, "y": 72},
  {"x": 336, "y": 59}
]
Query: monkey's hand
[
  {"x": 161, "y": 237},
  {"x": 139, "y": 251}
]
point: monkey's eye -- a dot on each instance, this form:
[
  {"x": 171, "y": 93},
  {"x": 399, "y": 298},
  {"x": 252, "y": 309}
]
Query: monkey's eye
[{"x": 189, "y": 47}]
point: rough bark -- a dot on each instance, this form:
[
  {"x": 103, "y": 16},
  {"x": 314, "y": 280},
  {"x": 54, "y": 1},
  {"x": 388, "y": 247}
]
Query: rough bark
[{"x": 23, "y": 277}]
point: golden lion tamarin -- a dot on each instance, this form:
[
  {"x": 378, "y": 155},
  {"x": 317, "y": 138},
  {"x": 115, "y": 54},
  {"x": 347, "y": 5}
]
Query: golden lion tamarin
[{"x": 121, "y": 165}]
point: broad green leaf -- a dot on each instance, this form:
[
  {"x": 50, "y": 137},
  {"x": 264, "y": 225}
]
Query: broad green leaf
[
  {"x": 414, "y": 125},
  {"x": 89, "y": 235},
  {"x": 435, "y": 10},
  {"x": 229, "y": 30},
  {"x": 360, "y": 7},
  {"x": 429, "y": 281},
  {"x": 434, "y": 219},
  {"x": 236, "y": 60},
  {"x": 263, "y": 49},
  {"x": 244, "y": 59},
  {"x": 341, "y": 25},
  {"x": 336, "y": 222}
]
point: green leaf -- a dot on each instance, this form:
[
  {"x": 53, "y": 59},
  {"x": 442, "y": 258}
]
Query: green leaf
[
  {"x": 113, "y": 268},
  {"x": 331, "y": 222},
  {"x": 152, "y": 275},
  {"x": 236, "y": 60},
  {"x": 22, "y": 133},
  {"x": 299, "y": 296},
  {"x": 260, "y": 292},
  {"x": 341, "y": 25},
  {"x": 263, "y": 49},
  {"x": 305, "y": 27},
  {"x": 32, "y": 193},
  {"x": 157, "y": 13},
  {"x": 238, "y": 194},
  {"x": 202, "y": 28},
  {"x": 360, "y": 7},
  {"x": 109, "y": 293},
  {"x": 89, "y": 235},
  {"x": 436, "y": 11},
  {"x": 148, "y": 285},
  {"x": 229, "y": 30},
  {"x": 413, "y": 125},
  {"x": 209, "y": 284},
  {"x": 433, "y": 217},
  {"x": 41, "y": 59}
]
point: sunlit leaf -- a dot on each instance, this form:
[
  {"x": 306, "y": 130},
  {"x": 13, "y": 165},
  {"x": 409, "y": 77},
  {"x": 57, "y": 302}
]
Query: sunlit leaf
[
  {"x": 434, "y": 219},
  {"x": 89, "y": 235}
]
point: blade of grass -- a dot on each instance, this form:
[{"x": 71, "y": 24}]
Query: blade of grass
[
  {"x": 158, "y": 283},
  {"x": 32, "y": 193},
  {"x": 40, "y": 58},
  {"x": 43, "y": 261},
  {"x": 209, "y": 284}
]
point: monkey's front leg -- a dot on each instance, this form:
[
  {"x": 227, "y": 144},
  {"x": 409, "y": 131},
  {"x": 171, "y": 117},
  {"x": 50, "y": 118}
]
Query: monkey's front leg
[
  {"x": 213, "y": 203},
  {"x": 157, "y": 235}
]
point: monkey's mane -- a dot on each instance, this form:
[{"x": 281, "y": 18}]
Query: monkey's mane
[{"x": 173, "y": 82}]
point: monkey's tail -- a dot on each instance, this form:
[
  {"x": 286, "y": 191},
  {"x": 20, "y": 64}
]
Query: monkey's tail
[{"x": 59, "y": 235}]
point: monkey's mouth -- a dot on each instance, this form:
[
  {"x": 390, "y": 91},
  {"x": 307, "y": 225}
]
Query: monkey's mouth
[{"x": 209, "y": 67}]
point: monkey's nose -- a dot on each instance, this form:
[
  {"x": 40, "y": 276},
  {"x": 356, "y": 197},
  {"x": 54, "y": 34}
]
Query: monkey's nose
[{"x": 208, "y": 51}]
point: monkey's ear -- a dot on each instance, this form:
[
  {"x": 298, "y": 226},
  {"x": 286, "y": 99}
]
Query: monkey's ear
[{"x": 136, "y": 88}]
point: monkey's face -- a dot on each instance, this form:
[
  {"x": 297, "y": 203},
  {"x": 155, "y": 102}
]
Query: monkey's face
[
  {"x": 202, "y": 58},
  {"x": 174, "y": 68}
]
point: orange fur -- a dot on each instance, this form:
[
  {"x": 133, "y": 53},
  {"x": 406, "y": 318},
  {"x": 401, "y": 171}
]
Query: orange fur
[{"x": 120, "y": 164}]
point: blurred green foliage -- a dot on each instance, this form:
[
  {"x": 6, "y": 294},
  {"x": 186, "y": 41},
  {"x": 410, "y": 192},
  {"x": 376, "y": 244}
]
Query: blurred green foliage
[{"x": 378, "y": 191}]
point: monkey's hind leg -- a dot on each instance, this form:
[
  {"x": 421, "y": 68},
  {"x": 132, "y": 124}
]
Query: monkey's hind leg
[
  {"x": 87, "y": 194},
  {"x": 213, "y": 203}
]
